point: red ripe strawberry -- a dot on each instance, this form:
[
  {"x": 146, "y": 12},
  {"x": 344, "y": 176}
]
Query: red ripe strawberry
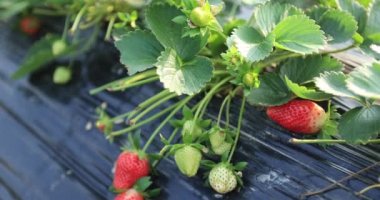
[
  {"x": 131, "y": 194},
  {"x": 300, "y": 116},
  {"x": 30, "y": 25},
  {"x": 130, "y": 167}
]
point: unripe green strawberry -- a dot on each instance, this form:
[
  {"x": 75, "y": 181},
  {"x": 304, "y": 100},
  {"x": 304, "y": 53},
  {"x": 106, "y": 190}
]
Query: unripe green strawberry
[
  {"x": 58, "y": 47},
  {"x": 201, "y": 17},
  {"x": 250, "y": 79},
  {"x": 188, "y": 160},
  {"x": 217, "y": 137},
  {"x": 62, "y": 75},
  {"x": 222, "y": 148},
  {"x": 222, "y": 178},
  {"x": 191, "y": 127}
]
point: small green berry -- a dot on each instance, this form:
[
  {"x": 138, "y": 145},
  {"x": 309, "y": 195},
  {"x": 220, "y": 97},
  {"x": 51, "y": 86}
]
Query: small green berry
[
  {"x": 58, "y": 47},
  {"x": 62, "y": 75},
  {"x": 201, "y": 17}
]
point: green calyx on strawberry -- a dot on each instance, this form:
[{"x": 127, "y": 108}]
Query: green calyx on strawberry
[
  {"x": 62, "y": 75},
  {"x": 104, "y": 122},
  {"x": 201, "y": 16},
  {"x": 130, "y": 166},
  {"x": 218, "y": 141},
  {"x": 139, "y": 191},
  {"x": 222, "y": 178},
  {"x": 188, "y": 159},
  {"x": 299, "y": 116},
  {"x": 58, "y": 47}
]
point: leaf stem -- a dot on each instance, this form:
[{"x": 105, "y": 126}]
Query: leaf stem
[
  {"x": 368, "y": 188},
  {"x": 210, "y": 94},
  {"x": 135, "y": 84},
  {"x": 128, "y": 79},
  {"x": 325, "y": 141},
  {"x": 242, "y": 109},
  {"x": 156, "y": 116},
  {"x": 66, "y": 28},
  {"x": 341, "y": 50},
  {"x": 164, "y": 149},
  {"x": 222, "y": 108},
  {"x": 142, "y": 105},
  {"x": 78, "y": 19},
  {"x": 152, "y": 107},
  {"x": 155, "y": 133},
  {"x": 110, "y": 27}
]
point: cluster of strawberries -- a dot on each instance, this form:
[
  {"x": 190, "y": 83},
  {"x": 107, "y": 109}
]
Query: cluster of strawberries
[{"x": 131, "y": 176}]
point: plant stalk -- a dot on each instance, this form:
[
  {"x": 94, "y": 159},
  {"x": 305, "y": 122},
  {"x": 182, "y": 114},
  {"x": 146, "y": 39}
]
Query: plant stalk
[{"x": 241, "y": 114}]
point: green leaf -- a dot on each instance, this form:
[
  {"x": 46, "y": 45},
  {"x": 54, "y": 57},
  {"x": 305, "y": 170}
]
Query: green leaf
[
  {"x": 268, "y": 15},
  {"x": 303, "y": 70},
  {"x": 160, "y": 20},
  {"x": 316, "y": 13},
  {"x": 329, "y": 129},
  {"x": 365, "y": 81},
  {"x": 357, "y": 10},
  {"x": 360, "y": 124},
  {"x": 183, "y": 78},
  {"x": 139, "y": 50},
  {"x": 338, "y": 25},
  {"x": 271, "y": 92},
  {"x": 13, "y": 9},
  {"x": 334, "y": 83},
  {"x": 299, "y": 34},
  {"x": 251, "y": 44},
  {"x": 306, "y": 93},
  {"x": 372, "y": 29},
  {"x": 365, "y": 3},
  {"x": 370, "y": 49}
]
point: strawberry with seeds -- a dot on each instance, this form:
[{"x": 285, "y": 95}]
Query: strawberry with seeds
[
  {"x": 131, "y": 165},
  {"x": 299, "y": 116},
  {"x": 139, "y": 191}
]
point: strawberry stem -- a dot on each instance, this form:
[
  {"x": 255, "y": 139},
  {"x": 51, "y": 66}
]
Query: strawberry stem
[
  {"x": 152, "y": 107},
  {"x": 110, "y": 27},
  {"x": 78, "y": 19},
  {"x": 325, "y": 141},
  {"x": 222, "y": 108},
  {"x": 156, "y": 116},
  {"x": 135, "y": 84},
  {"x": 242, "y": 109},
  {"x": 181, "y": 104},
  {"x": 208, "y": 97},
  {"x": 127, "y": 80}
]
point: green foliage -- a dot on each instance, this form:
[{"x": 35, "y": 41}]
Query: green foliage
[
  {"x": 160, "y": 20},
  {"x": 304, "y": 70},
  {"x": 272, "y": 91},
  {"x": 187, "y": 77},
  {"x": 139, "y": 50},
  {"x": 306, "y": 93},
  {"x": 40, "y": 54},
  {"x": 364, "y": 81},
  {"x": 334, "y": 83},
  {"x": 270, "y": 14},
  {"x": 360, "y": 124},
  {"x": 251, "y": 44},
  {"x": 339, "y": 26},
  {"x": 299, "y": 34},
  {"x": 372, "y": 30}
]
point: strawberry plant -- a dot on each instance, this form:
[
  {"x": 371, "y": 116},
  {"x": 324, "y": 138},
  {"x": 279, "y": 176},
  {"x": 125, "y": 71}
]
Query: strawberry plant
[
  {"x": 282, "y": 57},
  {"x": 83, "y": 19}
]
